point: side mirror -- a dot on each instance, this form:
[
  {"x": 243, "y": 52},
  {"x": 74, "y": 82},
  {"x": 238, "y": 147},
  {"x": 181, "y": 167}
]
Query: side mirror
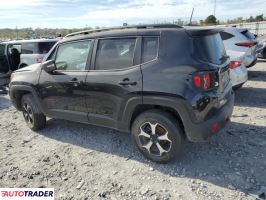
[{"x": 49, "y": 66}]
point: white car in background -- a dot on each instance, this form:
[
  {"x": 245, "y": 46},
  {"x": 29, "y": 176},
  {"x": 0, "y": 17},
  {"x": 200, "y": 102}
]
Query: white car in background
[
  {"x": 243, "y": 41},
  {"x": 238, "y": 71},
  {"x": 241, "y": 47}
]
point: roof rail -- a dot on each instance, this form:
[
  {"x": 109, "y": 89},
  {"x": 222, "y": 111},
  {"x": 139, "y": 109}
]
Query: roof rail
[{"x": 144, "y": 26}]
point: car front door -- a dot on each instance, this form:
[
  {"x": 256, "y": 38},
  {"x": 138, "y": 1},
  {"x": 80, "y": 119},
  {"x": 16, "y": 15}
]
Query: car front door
[
  {"x": 114, "y": 80},
  {"x": 63, "y": 91}
]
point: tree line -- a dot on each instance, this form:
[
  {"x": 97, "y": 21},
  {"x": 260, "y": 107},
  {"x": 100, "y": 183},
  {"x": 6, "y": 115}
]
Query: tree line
[{"x": 29, "y": 33}]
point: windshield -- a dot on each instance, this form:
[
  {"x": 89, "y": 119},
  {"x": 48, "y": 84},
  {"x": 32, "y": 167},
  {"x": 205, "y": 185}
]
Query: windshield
[{"x": 209, "y": 48}]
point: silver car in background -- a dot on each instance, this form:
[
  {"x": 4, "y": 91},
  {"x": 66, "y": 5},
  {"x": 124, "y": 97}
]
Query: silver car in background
[
  {"x": 241, "y": 40},
  {"x": 21, "y": 53},
  {"x": 33, "y": 51},
  {"x": 241, "y": 47}
]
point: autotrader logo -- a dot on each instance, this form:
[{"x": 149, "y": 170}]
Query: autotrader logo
[{"x": 27, "y": 193}]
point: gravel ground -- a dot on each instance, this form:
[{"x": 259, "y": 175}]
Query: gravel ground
[{"x": 88, "y": 162}]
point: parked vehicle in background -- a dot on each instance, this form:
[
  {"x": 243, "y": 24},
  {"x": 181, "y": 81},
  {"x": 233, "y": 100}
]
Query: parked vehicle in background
[
  {"x": 242, "y": 41},
  {"x": 21, "y": 53},
  {"x": 162, "y": 83},
  {"x": 238, "y": 71},
  {"x": 262, "y": 49}
]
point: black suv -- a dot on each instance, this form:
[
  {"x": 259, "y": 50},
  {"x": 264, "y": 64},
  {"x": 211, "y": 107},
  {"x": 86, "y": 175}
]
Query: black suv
[{"x": 161, "y": 83}]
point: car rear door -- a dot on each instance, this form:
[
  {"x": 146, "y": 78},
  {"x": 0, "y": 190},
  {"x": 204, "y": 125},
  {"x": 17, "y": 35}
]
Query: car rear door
[
  {"x": 114, "y": 80},
  {"x": 63, "y": 91}
]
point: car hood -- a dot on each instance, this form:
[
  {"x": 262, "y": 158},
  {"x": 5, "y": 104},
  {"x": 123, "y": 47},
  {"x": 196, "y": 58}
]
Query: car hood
[{"x": 33, "y": 67}]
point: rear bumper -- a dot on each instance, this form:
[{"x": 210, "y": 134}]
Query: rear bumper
[
  {"x": 238, "y": 75},
  {"x": 201, "y": 131}
]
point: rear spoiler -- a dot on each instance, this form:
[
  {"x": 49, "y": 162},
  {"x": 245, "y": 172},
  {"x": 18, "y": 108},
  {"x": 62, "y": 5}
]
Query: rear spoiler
[{"x": 197, "y": 32}]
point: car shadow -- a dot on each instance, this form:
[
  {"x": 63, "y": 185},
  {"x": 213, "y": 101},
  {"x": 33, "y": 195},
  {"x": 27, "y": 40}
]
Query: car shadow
[
  {"x": 4, "y": 102},
  {"x": 250, "y": 97},
  {"x": 232, "y": 158},
  {"x": 257, "y": 75}
]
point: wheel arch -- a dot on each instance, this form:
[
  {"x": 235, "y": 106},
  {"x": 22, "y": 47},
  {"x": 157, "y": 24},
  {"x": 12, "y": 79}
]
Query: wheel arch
[
  {"x": 18, "y": 91},
  {"x": 176, "y": 106}
]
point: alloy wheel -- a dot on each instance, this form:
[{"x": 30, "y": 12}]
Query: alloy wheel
[
  {"x": 27, "y": 113},
  {"x": 154, "y": 138}
]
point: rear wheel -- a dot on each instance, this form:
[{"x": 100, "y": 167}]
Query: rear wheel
[
  {"x": 157, "y": 135},
  {"x": 32, "y": 114}
]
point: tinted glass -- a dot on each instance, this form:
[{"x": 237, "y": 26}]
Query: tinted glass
[
  {"x": 115, "y": 53},
  {"x": 2, "y": 49},
  {"x": 3, "y": 60},
  {"x": 29, "y": 48},
  {"x": 44, "y": 47},
  {"x": 150, "y": 48},
  {"x": 226, "y": 36},
  {"x": 248, "y": 34},
  {"x": 73, "y": 56},
  {"x": 209, "y": 48}
]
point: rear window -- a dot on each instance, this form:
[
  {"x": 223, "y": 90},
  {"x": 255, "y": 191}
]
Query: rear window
[
  {"x": 209, "y": 48},
  {"x": 248, "y": 34}
]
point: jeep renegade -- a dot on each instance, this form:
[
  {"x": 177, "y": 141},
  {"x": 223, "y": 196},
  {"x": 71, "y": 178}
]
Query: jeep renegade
[{"x": 161, "y": 83}]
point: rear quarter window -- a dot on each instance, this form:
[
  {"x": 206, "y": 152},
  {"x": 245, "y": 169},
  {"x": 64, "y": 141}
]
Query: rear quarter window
[
  {"x": 226, "y": 36},
  {"x": 209, "y": 48},
  {"x": 149, "y": 48}
]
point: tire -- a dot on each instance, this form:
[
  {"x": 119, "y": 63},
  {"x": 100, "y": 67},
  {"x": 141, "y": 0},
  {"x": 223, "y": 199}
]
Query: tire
[
  {"x": 147, "y": 142},
  {"x": 33, "y": 116}
]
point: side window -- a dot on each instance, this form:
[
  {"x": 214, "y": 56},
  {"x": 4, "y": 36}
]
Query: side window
[
  {"x": 72, "y": 56},
  {"x": 115, "y": 53},
  {"x": 44, "y": 47},
  {"x": 29, "y": 48},
  {"x": 149, "y": 48},
  {"x": 14, "y": 48},
  {"x": 226, "y": 36}
]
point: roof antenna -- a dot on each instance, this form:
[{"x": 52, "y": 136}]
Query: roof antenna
[{"x": 190, "y": 21}]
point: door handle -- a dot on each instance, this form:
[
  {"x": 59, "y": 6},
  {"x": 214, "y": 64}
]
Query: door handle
[{"x": 127, "y": 82}]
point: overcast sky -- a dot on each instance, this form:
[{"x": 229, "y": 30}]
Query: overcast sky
[{"x": 79, "y": 13}]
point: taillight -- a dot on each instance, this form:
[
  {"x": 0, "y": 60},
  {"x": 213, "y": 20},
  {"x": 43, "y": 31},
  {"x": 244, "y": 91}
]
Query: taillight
[
  {"x": 202, "y": 81},
  {"x": 246, "y": 44},
  {"x": 234, "y": 64},
  {"x": 197, "y": 81},
  {"x": 39, "y": 60},
  {"x": 206, "y": 81}
]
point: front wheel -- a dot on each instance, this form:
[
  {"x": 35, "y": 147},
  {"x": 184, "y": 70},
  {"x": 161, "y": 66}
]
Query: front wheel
[
  {"x": 157, "y": 135},
  {"x": 34, "y": 118}
]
